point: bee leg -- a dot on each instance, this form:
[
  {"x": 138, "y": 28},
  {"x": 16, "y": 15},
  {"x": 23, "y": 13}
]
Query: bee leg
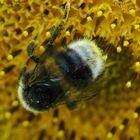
[
  {"x": 72, "y": 105},
  {"x": 30, "y": 49},
  {"x": 56, "y": 31}
]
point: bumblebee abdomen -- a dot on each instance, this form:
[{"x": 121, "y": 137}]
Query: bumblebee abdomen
[
  {"x": 82, "y": 62},
  {"x": 74, "y": 68}
]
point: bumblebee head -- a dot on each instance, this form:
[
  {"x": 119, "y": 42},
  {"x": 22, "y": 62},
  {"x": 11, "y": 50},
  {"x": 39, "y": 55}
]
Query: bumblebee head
[{"x": 40, "y": 95}]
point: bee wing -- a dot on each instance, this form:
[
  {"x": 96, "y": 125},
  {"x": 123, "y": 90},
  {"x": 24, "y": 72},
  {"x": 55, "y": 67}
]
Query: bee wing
[
  {"x": 72, "y": 104},
  {"x": 85, "y": 96},
  {"x": 39, "y": 74},
  {"x": 86, "y": 93}
]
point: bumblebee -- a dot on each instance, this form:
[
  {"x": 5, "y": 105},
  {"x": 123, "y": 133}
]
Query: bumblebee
[{"x": 62, "y": 75}]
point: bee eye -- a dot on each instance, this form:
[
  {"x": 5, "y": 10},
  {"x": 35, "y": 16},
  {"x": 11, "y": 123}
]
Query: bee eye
[{"x": 41, "y": 96}]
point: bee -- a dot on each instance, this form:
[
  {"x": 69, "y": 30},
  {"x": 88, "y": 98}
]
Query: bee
[{"x": 62, "y": 75}]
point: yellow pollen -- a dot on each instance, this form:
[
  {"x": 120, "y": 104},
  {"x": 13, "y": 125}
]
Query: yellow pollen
[
  {"x": 1, "y": 1},
  {"x": 67, "y": 33},
  {"x": 135, "y": 115},
  {"x": 119, "y": 49},
  {"x": 48, "y": 35},
  {"x": 7, "y": 115},
  {"x": 41, "y": 49},
  {"x": 25, "y": 33},
  {"x": 128, "y": 84},
  {"x": 99, "y": 13},
  {"x": 132, "y": 11},
  {"x": 25, "y": 123},
  {"x": 89, "y": 18},
  {"x": 136, "y": 26},
  {"x": 15, "y": 103},
  {"x": 9, "y": 57},
  {"x": 2, "y": 73},
  {"x": 109, "y": 135},
  {"x": 121, "y": 127},
  {"x": 125, "y": 43},
  {"x": 113, "y": 26},
  {"x": 137, "y": 65},
  {"x": 60, "y": 133},
  {"x": 55, "y": 120}
]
